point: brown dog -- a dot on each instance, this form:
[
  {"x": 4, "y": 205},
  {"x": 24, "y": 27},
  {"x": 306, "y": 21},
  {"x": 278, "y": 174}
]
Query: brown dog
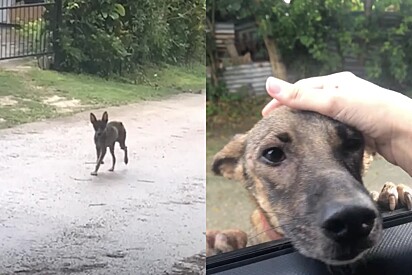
[
  {"x": 106, "y": 134},
  {"x": 304, "y": 172}
]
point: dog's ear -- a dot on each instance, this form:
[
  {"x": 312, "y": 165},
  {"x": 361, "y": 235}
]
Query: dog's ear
[
  {"x": 93, "y": 118},
  {"x": 105, "y": 117},
  {"x": 227, "y": 161}
]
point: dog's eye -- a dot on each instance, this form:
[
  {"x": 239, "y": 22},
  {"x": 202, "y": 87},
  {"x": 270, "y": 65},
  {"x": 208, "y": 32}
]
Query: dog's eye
[{"x": 273, "y": 155}]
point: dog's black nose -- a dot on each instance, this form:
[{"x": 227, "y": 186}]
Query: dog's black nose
[{"x": 349, "y": 223}]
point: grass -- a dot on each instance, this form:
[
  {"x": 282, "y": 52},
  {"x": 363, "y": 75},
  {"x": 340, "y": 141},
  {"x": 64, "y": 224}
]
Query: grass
[
  {"x": 30, "y": 87},
  {"x": 182, "y": 78},
  {"x": 228, "y": 117},
  {"x": 231, "y": 115},
  {"x": 235, "y": 113}
]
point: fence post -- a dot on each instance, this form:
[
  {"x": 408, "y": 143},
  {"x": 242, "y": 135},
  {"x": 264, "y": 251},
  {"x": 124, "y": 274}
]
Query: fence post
[{"x": 58, "y": 9}]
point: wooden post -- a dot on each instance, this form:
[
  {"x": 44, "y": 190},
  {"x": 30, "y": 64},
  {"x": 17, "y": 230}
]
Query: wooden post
[{"x": 278, "y": 68}]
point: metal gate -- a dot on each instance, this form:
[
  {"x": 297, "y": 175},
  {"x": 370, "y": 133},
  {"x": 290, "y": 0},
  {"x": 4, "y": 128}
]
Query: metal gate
[{"x": 24, "y": 31}]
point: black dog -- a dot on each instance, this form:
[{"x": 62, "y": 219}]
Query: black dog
[{"x": 106, "y": 134}]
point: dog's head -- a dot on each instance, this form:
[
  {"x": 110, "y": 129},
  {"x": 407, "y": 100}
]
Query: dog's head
[
  {"x": 99, "y": 125},
  {"x": 305, "y": 170}
]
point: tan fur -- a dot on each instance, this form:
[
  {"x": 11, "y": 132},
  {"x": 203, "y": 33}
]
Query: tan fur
[
  {"x": 221, "y": 241},
  {"x": 325, "y": 162},
  {"x": 405, "y": 195},
  {"x": 393, "y": 196},
  {"x": 310, "y": 140},
  {"x": 367, "y": 160},
  {"x": 231, "y": 170},
  {"x": 258, "y": 233}
]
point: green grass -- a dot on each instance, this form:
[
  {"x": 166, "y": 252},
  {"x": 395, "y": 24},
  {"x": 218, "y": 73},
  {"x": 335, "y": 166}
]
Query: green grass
[
  {"x": 30, "y": 87},
  {"x": 228, "y": 117},
  {"x": 234, "y": 114},
  {"x": 231, "y": 115},
  {"x": 182, "y": 78}
]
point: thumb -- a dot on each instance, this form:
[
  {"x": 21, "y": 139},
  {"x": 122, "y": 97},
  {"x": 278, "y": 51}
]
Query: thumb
[{"x": 303, "y": 98}]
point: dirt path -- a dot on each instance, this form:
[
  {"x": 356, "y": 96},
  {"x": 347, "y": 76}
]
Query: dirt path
[{"x": 144, "y": 218}]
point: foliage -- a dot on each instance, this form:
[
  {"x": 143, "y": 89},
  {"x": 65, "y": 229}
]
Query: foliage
[
  {"x": 234, "y": 112},
  {"x": 107, "y": 37},
  {"x": 34, "y": 32},
  {"x": 215, "y": 92},
  {"x": 316, "y": 37}
]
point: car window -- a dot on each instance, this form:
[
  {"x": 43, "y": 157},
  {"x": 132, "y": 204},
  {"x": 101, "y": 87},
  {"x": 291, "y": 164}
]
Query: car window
[{"x": 294, "y": 40}]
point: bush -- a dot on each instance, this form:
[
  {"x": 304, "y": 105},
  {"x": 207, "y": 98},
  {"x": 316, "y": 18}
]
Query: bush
[
  {"x": 35, "y": 33},
  {"x": 107, "y": 37}
]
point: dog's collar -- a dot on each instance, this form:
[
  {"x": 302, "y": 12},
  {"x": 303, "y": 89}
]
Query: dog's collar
[{"x": 271, "y": 233}]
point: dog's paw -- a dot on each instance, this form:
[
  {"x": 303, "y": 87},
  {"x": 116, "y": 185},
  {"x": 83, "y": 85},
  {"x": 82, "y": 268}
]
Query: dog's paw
[
  {"x": 224, "y": 241},
  {"x": 393, "y": 196},
  {"x": 405, "y": 196},
  {"x": 111, "y": 169},
  {"x": 93, "y": 173}
]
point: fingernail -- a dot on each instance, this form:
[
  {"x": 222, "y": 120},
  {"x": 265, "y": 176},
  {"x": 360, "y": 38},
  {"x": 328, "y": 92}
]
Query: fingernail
[{"x": 272, "y": 87}]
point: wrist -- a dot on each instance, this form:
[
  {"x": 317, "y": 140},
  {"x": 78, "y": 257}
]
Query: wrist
[{"x": 401, "y": 145}]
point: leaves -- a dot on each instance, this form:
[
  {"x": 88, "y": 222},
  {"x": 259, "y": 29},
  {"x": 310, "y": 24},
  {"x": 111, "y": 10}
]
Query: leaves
[
  {"x": 328, "y": 32},
  {"x": 118, "y": 36},
  {"x": 119, "y": 9}
]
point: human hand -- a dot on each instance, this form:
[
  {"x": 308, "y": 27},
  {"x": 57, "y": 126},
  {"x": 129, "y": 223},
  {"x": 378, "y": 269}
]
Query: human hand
[{"x": 383, "y": 116}]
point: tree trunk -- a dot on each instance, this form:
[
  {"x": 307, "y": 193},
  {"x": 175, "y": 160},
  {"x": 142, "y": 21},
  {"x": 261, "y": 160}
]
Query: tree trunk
[
  {"x": 278, "y": 68},
  {"x": 211, "y": 53},
  {"x": 368, "y": 12},
  {"x": 213, "y": 66},
  {"x": 368, "y": 7}
]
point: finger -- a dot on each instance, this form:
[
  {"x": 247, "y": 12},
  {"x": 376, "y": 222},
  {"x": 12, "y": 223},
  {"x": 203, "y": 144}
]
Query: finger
[
  {"x": 326, "y": 81},
  {"x": 275, "y": 85},
  {"x": 273, "y": 104},
  {"x": 318, "y": 82},
  {"x": 303, "y": 98}
]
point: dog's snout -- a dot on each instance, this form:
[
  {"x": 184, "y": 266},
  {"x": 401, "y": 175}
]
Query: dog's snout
[{"x": 349, "y": 223}]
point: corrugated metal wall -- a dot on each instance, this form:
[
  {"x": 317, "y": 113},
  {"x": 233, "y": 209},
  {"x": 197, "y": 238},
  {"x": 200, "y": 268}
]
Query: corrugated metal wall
[{"x": 253, "y": 76}]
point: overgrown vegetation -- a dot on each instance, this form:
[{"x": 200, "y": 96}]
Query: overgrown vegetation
[
  {"x": 33, "y": 31},
  {"x": 120, "y": 37},
  {"x": 310, "y": 37}
]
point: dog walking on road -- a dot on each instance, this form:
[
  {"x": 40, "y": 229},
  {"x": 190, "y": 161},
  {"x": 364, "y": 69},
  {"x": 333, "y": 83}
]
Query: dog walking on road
[{"x": 106, "y": 134}]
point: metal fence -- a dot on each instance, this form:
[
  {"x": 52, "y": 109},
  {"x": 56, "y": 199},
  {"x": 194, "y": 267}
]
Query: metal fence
[
  {"x": 24, "y": 31},
  {"x": 252, "y": 76}
]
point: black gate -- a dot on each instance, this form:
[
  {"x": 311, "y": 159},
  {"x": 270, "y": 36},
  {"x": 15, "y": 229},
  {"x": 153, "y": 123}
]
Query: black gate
[{"x": 24, "y": 31}]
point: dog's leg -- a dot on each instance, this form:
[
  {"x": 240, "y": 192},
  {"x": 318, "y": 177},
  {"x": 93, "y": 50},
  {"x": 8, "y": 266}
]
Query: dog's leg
[
  {"x": 113, "y": 157},
  {"x": 124, "y": 148},
  {"x": 126, "y": 159},
  {"x": 224, "y": 241},
  {"x": 98, "y": 154},
  {"x": 102, "y": 154}
]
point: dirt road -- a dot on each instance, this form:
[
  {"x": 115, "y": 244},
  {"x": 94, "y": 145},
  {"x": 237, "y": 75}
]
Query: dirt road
[{"x": 145, "y": 218}]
